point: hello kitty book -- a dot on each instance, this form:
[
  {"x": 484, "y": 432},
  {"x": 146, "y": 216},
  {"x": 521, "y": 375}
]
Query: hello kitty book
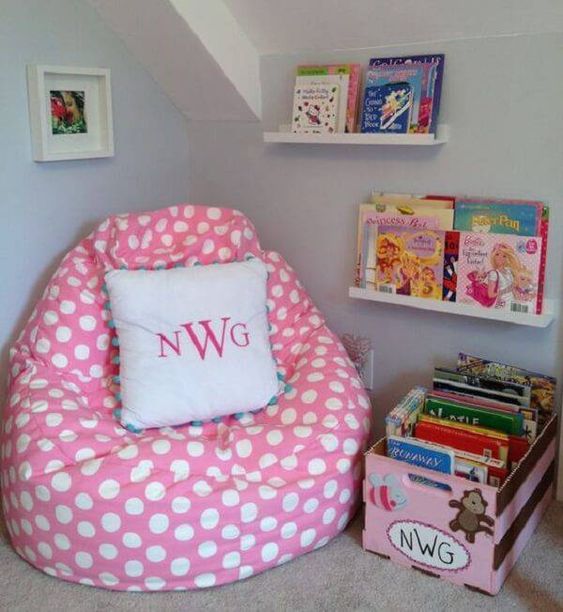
[{"x": 499, "y": 271}]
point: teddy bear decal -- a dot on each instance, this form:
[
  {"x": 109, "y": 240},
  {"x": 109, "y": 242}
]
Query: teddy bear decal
[{"x": 471, "y": 517}]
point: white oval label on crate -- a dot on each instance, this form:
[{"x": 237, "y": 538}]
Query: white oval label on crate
[{"x": 428, "y": 546}]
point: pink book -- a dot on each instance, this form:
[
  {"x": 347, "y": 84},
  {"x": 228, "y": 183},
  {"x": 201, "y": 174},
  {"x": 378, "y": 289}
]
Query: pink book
[
  {"x": 354, "y": 71},
  {"x": 500, "y": 271}
]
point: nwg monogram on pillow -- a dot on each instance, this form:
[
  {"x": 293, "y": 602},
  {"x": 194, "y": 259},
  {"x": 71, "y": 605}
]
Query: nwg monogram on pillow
[{"x": 237, "y": 335}]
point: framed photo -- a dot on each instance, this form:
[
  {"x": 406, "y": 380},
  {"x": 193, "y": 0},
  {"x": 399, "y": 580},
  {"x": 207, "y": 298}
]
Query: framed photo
[{"x": 70, "y": 112}]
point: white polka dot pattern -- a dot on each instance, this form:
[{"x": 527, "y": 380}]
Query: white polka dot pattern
[{"x": 87, "y": 501}]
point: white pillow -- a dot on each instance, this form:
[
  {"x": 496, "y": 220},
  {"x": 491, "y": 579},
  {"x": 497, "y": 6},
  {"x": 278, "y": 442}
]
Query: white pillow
[{"x": 193, "y": 342}]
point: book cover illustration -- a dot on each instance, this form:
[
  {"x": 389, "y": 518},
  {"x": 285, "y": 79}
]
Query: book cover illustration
[
  {"x": 498, "y": 216},
  {"x": 499, "y": 271},
  {"x": 354, "y": 72},
  {"x": 316, "y": 105},
  {"x": 484, "y": 387},
  {"x": 405, "y": 261},
  {"x": 542, "y": 386},
  {"x": 433, "y": 75},
  {"x": 421, "y": 454},
  {"x": 388, "y": 108},
  {"x": 392, "y": 91}
]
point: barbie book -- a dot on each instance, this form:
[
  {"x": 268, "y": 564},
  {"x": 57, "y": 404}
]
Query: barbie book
[
  {"x": 499, "y": 271},
  {"x": 405, "y": 261}
]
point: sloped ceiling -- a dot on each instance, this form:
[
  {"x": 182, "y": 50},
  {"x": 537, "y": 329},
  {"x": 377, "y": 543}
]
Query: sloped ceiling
[
  {"x": 205, "y": 54},
  {"x": 194, "y": 50},
  {"x": 296, "y": 25}
]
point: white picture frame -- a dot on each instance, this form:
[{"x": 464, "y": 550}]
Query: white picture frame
[{"x": 70, "y": 112}]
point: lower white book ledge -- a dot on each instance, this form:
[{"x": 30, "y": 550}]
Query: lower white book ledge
[{"x": 518, "y": 318}]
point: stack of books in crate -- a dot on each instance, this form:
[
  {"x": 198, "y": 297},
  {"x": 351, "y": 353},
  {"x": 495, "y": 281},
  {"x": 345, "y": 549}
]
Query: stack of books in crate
[{"x": 477, "y": 421}]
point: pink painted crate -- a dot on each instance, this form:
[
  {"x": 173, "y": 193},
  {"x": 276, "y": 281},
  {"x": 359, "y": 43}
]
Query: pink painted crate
[{"x": 471, "y": 533}]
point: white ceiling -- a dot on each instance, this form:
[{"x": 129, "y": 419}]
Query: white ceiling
[{"x": 285, "y": 26}]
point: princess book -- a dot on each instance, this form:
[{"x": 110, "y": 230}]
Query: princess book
[
  {"x": 500, "y": 271},
  {"x": 404, "y": 261}
]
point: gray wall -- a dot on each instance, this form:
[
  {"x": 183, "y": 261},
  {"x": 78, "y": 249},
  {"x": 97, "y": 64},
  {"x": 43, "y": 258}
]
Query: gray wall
[
  {"x": 501, "y": 98},
  {"x": 47, "y": 207}
]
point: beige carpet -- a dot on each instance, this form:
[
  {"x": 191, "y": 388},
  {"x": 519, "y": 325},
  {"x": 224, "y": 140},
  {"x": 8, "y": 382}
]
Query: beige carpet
[{"x": 338, "y": 577}]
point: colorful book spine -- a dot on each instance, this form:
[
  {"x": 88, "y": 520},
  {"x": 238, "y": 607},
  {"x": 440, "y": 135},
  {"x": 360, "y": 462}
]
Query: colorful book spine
[
  {"x": 457, "y": 438},
  {"x": 401, "y": 420},
  {"x": 451, "y": 256},
  {"x": 509, "y": 423}
]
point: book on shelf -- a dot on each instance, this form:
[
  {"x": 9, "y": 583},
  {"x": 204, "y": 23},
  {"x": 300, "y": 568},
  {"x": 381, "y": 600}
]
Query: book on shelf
[
  {"x": 498, "y": 271},
  {"x": 353, "y": 92},
  {"x": 392, "y": 97},
  {"x": 432, "y": 77},
  {"x": 501, "y": 216},
  {"x": 319, "y": 104},
  {"x": 404, "y": 260}
]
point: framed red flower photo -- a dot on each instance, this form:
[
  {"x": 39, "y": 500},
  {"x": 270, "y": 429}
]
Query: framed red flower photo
[{"x": 70, "y": 112}]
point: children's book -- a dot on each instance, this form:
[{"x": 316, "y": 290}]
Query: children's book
[
  {"x": 509, "y": 423},
  {"x": 499, "y": 271},
  {"x": 431, "y": 83},
  {"x": 498, "y": 216},
  {"x": 542, "y": 386},
  {"x": 317, "y": 107},
  {"x": 421, "y": 454},
  {"x": 482, "y": 387},
  {"x": 401, "y": 420},
  {"x": 458, "y": 438},
  {"x": 404, "y": 261},
  {"x": 501, "y": 216},
  {"x": 404, "y": 205},
  {"x": 409, "y": 212},
  {"x": 388, "y": 108},
  {"x": 392, "y": 99},
  {"x": 353, "y": 97}
]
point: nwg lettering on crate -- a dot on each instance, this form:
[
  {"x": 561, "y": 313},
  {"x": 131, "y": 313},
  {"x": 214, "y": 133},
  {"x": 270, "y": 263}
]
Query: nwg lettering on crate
[
  {"x": 199, "y": 335},
  {"x": 427, "y": 545}
]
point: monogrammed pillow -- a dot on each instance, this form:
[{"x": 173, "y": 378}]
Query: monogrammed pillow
[{"x": 193, "y": 342}]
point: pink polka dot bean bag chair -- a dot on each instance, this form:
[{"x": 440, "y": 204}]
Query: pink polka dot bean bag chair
[{"x": 182, "y": 507}]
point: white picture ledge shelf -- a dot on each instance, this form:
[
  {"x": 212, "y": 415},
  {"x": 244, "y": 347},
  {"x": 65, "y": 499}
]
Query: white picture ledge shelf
[
  {"x": 287, "y": 137},
  {"x": 532, "y": 320}
]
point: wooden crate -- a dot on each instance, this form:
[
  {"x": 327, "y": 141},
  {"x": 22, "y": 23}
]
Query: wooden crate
[{"x": 466, "y": 532}]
